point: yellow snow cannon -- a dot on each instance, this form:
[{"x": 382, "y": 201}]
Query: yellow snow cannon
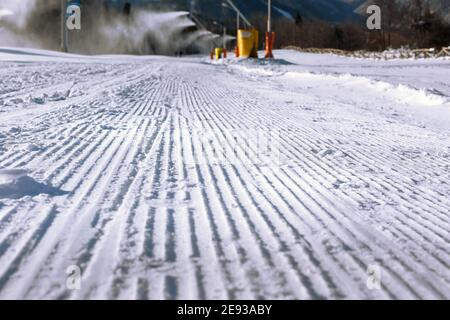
[
  {"x": 248, "y": 41},
  {"x": 218, "y": 53}
]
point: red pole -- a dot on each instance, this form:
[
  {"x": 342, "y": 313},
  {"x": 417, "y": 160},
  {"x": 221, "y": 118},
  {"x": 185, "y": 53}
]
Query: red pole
[
  {"x": 270, "y": 36},
  {"x": 270, "y": 39}
]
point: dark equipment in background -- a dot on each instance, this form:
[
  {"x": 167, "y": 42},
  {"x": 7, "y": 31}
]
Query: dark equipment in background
[{"x": 127, "y": 9}]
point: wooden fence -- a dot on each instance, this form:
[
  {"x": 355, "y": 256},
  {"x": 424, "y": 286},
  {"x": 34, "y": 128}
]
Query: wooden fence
[{"x": 385, "y": 55}]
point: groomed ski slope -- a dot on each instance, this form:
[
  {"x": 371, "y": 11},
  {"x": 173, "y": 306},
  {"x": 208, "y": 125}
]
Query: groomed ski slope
[{"x": 165, "y": 178}]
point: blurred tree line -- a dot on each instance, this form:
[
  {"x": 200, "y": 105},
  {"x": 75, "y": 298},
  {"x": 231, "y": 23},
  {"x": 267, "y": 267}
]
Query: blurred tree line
[{"x": 411, "y": 24}]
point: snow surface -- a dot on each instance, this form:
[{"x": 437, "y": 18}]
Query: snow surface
[{"x": 165, "y": 178}]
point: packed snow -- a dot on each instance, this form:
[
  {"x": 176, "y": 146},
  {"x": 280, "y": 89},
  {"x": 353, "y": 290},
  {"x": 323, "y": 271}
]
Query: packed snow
[{"x": 169, "y": 178}]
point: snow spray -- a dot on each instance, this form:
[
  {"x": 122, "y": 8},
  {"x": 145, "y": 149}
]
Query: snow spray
[{"x": 36, "y": 23}]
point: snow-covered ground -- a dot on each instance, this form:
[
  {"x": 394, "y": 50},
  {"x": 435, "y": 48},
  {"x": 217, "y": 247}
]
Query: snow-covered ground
[{"x": 168, "y": 178}]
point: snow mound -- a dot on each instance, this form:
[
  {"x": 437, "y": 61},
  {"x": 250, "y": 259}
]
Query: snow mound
[
  {"x": 400, "y": 93},
  {"x": 16, "y": 184}
]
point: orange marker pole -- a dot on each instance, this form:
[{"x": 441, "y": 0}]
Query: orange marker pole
[
  {"x": 238, "y": 20},
  {"x": 270, "y": 36},
  {"x": 270, "y": 40}
]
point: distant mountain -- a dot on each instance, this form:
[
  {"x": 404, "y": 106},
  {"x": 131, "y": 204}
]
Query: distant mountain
[
  {"x": 441, "y": 6},
  {"x": 329, "y": 10}
]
